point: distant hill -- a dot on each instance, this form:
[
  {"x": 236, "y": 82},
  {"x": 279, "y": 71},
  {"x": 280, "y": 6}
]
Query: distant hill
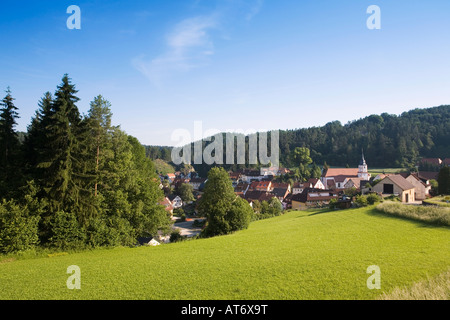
[
  {"x": 393, "y": 141},
  {"x": 162, "y": 167}
]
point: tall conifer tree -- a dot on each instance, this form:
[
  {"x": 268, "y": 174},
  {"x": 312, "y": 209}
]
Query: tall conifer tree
[{"x": 9, "y": 144}]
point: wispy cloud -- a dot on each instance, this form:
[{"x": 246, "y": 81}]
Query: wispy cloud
[
  {"x": 189, "y": 45},
  {"x": 255, "y": 8}
]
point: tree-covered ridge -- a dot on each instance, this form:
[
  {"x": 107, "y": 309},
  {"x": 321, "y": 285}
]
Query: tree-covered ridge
[
  {"x": 76, "y": 180},
  {"x": 387, "y": 140}
]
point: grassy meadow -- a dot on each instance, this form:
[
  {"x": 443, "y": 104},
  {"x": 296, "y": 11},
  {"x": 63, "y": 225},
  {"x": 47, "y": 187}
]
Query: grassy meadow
[{"x": 315, "y": 254}]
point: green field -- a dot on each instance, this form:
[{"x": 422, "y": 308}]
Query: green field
[
  {"x": 376, "y": 171},
  {"x": 300, "y": 255}
]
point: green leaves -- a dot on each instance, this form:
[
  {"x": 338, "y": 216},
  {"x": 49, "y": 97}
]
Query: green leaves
[{"x": 225, "y": 212}]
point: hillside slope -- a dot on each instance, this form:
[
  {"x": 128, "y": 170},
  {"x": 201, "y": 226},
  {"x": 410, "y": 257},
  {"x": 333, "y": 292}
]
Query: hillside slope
[{"x": 301, "y": 255}]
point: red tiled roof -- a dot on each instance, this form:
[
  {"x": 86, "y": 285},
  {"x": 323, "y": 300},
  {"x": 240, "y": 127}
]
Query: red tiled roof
[{"x": 347, "y": 172}]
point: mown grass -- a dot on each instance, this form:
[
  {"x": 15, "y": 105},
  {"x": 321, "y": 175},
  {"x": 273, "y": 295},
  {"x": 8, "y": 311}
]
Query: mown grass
[{"x": 316, "y": 254}]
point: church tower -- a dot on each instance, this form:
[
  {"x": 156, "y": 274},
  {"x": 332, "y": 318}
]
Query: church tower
[{"x": 362, "y": 169}]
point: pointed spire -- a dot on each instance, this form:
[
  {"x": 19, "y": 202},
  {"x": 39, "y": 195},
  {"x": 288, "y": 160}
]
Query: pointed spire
[{"x": 363, "y": 161}]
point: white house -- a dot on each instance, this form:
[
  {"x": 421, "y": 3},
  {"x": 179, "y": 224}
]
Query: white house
[{"x": 176, "y": 201}]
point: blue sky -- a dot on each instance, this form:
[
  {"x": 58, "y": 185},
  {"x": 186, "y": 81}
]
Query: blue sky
[{"x": 232, "y": 64}]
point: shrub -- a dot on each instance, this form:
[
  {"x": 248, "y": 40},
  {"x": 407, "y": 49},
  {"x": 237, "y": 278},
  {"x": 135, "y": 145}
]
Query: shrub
[
  {"x": 361, "y": 201},
  {"x": 18, "y": 229},
  {"x": 372, "y": 198},
  {"x": 333, "y": 204},
  {"x": 240, "y": 214},
  {"x": 178, "y": 212},
  {"x": 66, "y": 233},
  {"x": 176, "y": 236}
]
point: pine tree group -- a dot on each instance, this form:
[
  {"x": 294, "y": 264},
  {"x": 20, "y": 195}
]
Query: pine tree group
[{"x": 81, "y": 181}]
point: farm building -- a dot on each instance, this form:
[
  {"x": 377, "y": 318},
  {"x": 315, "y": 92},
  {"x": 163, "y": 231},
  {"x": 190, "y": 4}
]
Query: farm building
[{"x": 396, "y": 185}]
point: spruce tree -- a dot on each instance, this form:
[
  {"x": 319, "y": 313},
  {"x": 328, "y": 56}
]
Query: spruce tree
[
  {"x": 63, "y": 156},
  {"x": 9, "y": 145},
  {"x": 99, "y": 122},
  {"x": 35, "y": 141}
]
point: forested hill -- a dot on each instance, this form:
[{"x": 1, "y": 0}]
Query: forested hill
[{"x": 388, "y": 140}]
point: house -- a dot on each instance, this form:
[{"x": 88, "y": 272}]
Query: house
[
  {"x": 312, "y": 198},
  {"x": 176, "y": 201},
  {"x": 178, "y": 181},
  {"x": 396, "y": 185},
  {"x": 258, "y": 195},
  {"x": 429, "y": 175},
  {"x": 249, "y": 175},
  {"x": 148, "y": 241},
  {"x": 357, "y": 183},
  {"x": 287, "y": 202},
  {"x": 171, "y": 177},
  {"x": 280, "y": 193},
  {"x": 197, "y": 183},
  {"x": 422, "y": 189},
  {"x": 235, "y": 178},
  {"x": 381, "y": 176},
  {"x": 271, "y": 171},
  {"x": 336, "y": 178},
  {"x": 298, "y": 187},
  {"x": 265, "y": 186},
  {"x": 432, "y": 161},
  {"x": 316, "y": 183},
  {"x": 167, "y": 205},
  {"x": 242, "y": 187},
  {"x": 282, "y": 185}
]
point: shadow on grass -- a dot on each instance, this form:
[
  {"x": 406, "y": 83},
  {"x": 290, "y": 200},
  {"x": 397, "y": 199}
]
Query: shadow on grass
[
  {"x": 420, "y": 223},
  {"x": 315, "y": 212}
]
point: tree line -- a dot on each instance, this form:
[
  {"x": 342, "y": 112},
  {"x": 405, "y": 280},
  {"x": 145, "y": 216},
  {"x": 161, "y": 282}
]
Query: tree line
[
  {"x": 74, "y": 180},
  {"x": 388, "y": 141}
]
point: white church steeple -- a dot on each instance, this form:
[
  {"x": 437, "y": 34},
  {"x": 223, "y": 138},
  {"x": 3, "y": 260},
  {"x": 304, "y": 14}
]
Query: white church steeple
[{"x": 363, "y": 169}]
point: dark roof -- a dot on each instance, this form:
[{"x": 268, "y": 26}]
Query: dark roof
[
  {"x": 429, "y": 175},
  {"x": 280, "y": 192},
  {"x": 305, "y": 195},
  {"x": 258, "y": 195},
  {"x": 435, "y": 161},
  {"x": 144, "y": 240},
  {"x": 172, "y": 197}
]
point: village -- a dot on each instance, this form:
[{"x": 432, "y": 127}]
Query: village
[{"x": 340, "y": 184}]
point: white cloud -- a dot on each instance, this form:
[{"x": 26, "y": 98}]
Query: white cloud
[{"x": 188, "y": 46}]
